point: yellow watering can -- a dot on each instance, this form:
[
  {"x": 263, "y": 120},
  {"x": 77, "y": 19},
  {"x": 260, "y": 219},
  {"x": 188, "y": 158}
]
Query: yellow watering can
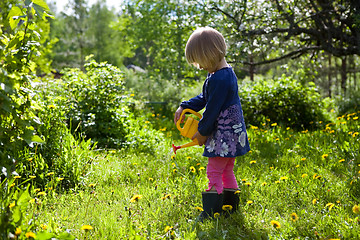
[{"x": 189, "y": 129}]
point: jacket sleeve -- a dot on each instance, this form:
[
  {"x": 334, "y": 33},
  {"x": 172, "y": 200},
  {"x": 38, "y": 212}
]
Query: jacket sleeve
[
  {"x": 217, "y": 93},
  {"x": 196, "y": 103}
]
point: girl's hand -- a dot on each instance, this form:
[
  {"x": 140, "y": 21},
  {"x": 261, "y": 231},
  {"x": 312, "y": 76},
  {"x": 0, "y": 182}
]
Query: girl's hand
[
  {"x": 201, "y": 139},
  {"x": 177, "y": 115}
]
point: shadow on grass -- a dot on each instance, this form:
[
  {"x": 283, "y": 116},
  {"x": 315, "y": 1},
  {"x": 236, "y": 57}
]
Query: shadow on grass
[{"x": 233, "y": 227}]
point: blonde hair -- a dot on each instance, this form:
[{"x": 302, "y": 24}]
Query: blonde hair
[{"x": 205, "y": 48}]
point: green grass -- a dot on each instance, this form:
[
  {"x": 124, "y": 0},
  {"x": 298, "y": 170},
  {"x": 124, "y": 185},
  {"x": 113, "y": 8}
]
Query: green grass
[{"x": 315, "y": 175}]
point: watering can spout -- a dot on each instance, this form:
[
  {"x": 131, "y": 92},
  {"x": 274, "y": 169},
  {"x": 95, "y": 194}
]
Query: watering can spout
[{"x": 188, "y": 130}]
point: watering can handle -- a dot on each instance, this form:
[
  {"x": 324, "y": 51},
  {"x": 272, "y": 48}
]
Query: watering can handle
[{"x": 182, "y": 114}]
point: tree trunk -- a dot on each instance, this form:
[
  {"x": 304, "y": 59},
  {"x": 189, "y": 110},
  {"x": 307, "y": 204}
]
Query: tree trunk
[
  {"x": 251, "y": 67},
  {"x": 329, "y": 77},
  {"x": 343, "y": 75}
]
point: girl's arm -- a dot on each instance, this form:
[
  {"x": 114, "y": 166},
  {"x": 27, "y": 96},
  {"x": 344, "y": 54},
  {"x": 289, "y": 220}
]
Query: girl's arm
[{"x": 196, "y": 103}]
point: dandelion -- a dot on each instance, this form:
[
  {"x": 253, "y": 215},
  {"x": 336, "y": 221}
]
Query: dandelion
[
  {"x": 188, "y": 158},
  {"x": 175, "y": 170},
  {"x": 32, "y": 177},
  {"x": 303, "y": 159},
  {"x": 60, "y": 178},
  {"x": 249, "y": 202},
  {"x": 304, "y": 175},
  {"x": 271, "y": 168},
  {"x": 86, "y": 227},
  {"x": 151, "y": 179},
  {"x": 192, "y": 169},
  {"x": 355, "y": 134},
  {"x": 227, "y": 207},
  {"x": 341, "y": 160},
  {"x": 330, "y": 206},
  {"x": 172, "y": 157},
  {"x": 11, "y": 205},
  {"x": 30, "y": 235},
  {"x": 297, "y": 166},
  {"x": 201, "y": 169},
  {"x": 284, "y": 178},
  {"x": 314, "y": 201},
  {"x": 41, "y": 194},
  {"x": 355, "y": 118},
  {"x": 325, "y": 156},
  {"x": 244, "y": 180},
  {"x": 168, "y": 228},
  {"x": 136, "y": 198},
  {"x": 248, "y": 184},
  {"x": 237, "y": 192},
  {"x": 252, "y": 162},
  {"x": 294, "y": 217},
  {"x": 356, "y": 209},
  {"x": 92, "y": 185},
  {"x": 277, "y": 181},
  {"x": 254, "y": 127},
  {"x": 216, "y": 215},
  {"x": 274, "y": 124},
  {"x": 288, "y": 128},
  {"x": 18, "y": 231},
  {"x": 166, "y": 196},
  {"x": 275, "y": 224},
  {"x": 37, "y": 190},
  {"x": 199, "y": 209},
  {"x": 43, "y": 226},
  {"x": 51, "y": 106},
  {"x": 17, "y": 177},
  {"x": 50, "y": 173},
  {"x": 264, "y": 184}
]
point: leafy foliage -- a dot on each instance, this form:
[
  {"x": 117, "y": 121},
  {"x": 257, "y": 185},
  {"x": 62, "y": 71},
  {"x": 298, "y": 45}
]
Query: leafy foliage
[{"x": 283, "y": 101}]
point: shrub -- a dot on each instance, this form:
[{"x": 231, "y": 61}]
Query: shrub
[{"x": 284, "y": 101}]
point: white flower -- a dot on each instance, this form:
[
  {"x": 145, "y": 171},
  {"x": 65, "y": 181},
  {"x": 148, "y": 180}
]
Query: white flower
[
  {"x": 211, "y": 146},
  {"x": 224, "y": 149}
]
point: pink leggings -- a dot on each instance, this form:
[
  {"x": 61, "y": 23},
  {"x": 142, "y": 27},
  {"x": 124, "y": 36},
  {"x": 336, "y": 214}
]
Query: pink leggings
[{"x": 220, "y": 173}]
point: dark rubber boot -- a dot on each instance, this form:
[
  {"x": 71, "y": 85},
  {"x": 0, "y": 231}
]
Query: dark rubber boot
[
  {"x": 231, "y": 197},
  {"x": 212, "y": 203}
]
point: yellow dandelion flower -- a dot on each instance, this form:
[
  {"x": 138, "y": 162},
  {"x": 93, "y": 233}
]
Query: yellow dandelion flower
[
  {"x": 17, "y": 177},
  {"x": 136, "y": 198},
  {"x": 297, "y": 166},
  {"x": 18, "y": 231},
  {"x": 166, "y": 196},
  {"x": 51, "y": 106},
  {"x": 264, "y": 184},
  {"x": 248, "y": 184},
  {"x": 60, "y": 178},
  {"x": 288, "y": 128},
  {"x": 304, "y": 175},
  {"x": 355, "y": 118},
  {"x": 237, "y": 192},
  {"x": 37, "y": 190},
  {"x": 355, "y": 134},
  {"x": 227, "y": 207},
  {"x": 41, "y": 194},
  {"x": 216, "y": 215},
  {"x": 188, "y": 158},
  {"x": 252, "y": 162},
  {"x": 356, "y": 209},
  {"x": 254, "y": 127},
  {"x": 303, "y": 159},
  {"x": 274, "y": 124},
  {"x": 275, "y": 224},
  {"x": 325, "y": 155},
  {"x": 192, "y": 169},
  {"x": 172, "y": 157},
  {"x": 294, "y": 217},
  {"x": 199, "y": 209},
  {"x": 330, "y": 206},
  {"x": 92, "y": 185},
  {"x": 168, "y": 228},
  {"x": 277, "y": 181},
  {"x": 50, "y": 173},
  {"x": 30, "y": 235},
  {"x": 249, "y": 202},
  {"x": 271, "y": 168},
  {"x": 11, "y": 205},
  {"x": 43, "y": 226},
  {"x": 284, "y": 178},
  {"x": 341, "y": 160},
  {"x": 244, "y": 180},
  {"x": 86, "y": 227},
  {"x": 151, "y": 179},
  {"x": 201, "y": 169},
  {"x": 32, "y": 177}
]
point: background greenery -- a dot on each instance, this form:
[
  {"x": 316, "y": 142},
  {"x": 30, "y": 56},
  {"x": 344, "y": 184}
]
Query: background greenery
[{"x": 87, "y": 97}]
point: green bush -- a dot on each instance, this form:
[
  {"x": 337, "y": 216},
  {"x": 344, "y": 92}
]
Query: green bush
[
  {"x": 350, "y": 104},
  {"x": 284, "y": 101}
]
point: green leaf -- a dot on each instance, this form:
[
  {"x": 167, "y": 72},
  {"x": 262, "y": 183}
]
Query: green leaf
[
  {"x": 40, "y": 7},
  {"x": 14, "y": 16},
  {"x": 65, "y": 236}
]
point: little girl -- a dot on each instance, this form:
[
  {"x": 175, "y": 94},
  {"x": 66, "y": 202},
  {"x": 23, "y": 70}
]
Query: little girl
[{"x": 222, "y": 127}]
